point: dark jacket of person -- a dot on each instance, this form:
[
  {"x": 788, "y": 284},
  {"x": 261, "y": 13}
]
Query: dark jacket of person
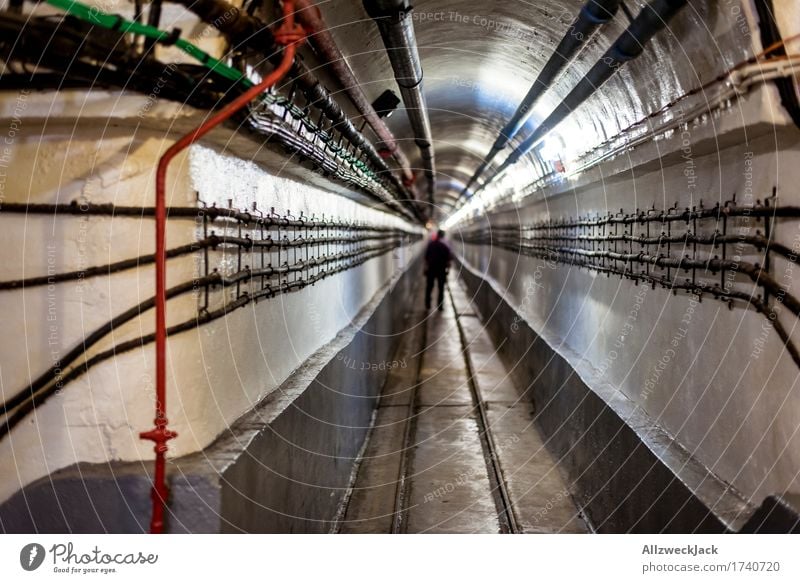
[{"x": 437, "y": 257}]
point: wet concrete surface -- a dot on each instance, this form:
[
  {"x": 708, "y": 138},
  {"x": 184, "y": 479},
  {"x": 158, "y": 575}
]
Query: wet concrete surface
[
  {"x": 450, "y": 488},
  {"x": 426, "y": 467}
]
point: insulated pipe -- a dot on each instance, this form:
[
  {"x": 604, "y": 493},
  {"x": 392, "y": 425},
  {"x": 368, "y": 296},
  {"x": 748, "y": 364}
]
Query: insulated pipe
[
  {"x": 393, "y": 18},
  {"x": 317, "y": 30},
  {"x": 289, "y": 35},
  {"x": 320, "y": 98},
  {"x": 593, "y": 14},
  {"x": 651, "y": 20}
]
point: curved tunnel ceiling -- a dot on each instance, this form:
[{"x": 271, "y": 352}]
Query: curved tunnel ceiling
[{"x": 480, "y": 58}]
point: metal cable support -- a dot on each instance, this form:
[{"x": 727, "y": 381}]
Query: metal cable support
[
  {"x": 255, "y": 217},
  {"x": 724, "y": 252},
  {"x": 213, "y": 242},
  {"x": 332, "y": 153},
  {"x": 28, "y": 400},
  {"x": 274, "y": 254}
]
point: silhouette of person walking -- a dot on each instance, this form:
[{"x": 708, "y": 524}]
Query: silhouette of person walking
[{"x": 437, "y": 264}]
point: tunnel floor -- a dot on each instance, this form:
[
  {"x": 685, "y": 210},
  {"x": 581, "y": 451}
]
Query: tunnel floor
[{"x": 453, "y": 448}]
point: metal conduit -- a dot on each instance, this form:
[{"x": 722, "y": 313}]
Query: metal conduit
[
  {"x": 630, "y": 44},
  {"x": 593, "y": 14},
  {"x": 317, "y": 29},
  {"x": 287, "y": 35},
  {"x": 393, "y": 18},
  {"x": 241, "y": 28}
]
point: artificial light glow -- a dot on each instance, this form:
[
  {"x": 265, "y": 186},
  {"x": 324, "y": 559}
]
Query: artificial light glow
[
  {"x": 476, "y": 205},
  {"x": 552, "y": 148},
  {"x": 510, "y": 182},
  {"x": 514, "y": 182}
]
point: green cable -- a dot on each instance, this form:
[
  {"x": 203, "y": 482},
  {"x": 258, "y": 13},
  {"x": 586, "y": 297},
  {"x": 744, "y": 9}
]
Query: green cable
[{"x": 102, "y": 19}]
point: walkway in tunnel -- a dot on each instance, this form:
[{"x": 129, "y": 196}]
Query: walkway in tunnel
[{"x": 453, "y": 448}]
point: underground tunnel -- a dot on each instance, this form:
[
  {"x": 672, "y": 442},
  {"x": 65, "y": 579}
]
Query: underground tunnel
[{"x": 368, "y": 267}]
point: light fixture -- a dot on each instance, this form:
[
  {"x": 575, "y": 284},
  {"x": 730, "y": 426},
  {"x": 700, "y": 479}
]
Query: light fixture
[{"x": 386, "y": 103}]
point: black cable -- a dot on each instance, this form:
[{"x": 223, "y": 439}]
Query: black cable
[
  {"x": 93, "y": 338},
  {"x": 582, "y": 258},
  {"x": 31, "y": 398},
  {"x": 107, "y": 269},
  {"x": 194, "y": 213},
  {"x": 757, "y": 241},
  {"x": 137, "y": 11},
  {"x": 212, "y": 240},
  {"x": 214, "y": 278}
]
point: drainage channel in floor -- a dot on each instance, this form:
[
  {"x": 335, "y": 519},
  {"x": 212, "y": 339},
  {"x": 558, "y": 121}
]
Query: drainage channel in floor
[{"x": 453, "y": 448}]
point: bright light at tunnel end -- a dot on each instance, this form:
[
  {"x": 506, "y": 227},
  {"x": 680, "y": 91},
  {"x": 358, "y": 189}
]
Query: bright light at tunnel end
[{"x": 555, "y": 155}]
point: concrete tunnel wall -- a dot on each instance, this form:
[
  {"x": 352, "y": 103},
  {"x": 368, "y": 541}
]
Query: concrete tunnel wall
[
  {"x": 726, "y": 390},
  {"x": 284, "y": 466},
  {"x": 217, "y": 372}
]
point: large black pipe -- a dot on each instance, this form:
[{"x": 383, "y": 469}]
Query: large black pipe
[
  {"x": 393, "y": 18},
  {"x": 652, "y": 19},
  {"x": 593, "y": 14}
]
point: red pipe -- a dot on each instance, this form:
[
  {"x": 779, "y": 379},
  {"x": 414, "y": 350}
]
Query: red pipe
[
  {"x": 310, "y": 17},
  {"x": 288, "y": 34}
]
